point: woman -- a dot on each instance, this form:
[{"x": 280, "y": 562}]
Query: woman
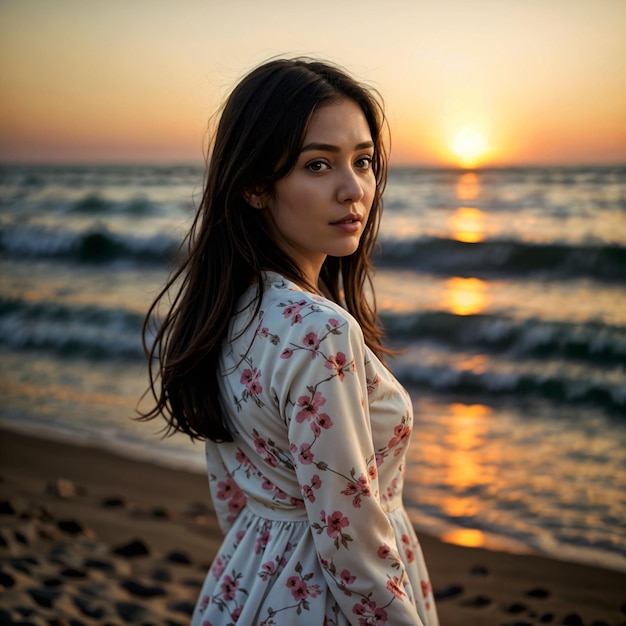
[{"x": 271, "y": 353}]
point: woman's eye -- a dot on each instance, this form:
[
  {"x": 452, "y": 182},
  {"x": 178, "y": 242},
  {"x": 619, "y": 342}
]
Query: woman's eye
[
  {"x": 317, "y": 166},
  {"x": 364, "y": 163}
]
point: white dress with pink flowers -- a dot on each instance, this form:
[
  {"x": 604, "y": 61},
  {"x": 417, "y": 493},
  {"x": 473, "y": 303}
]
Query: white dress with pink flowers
[{"x": 309, "y": 494}]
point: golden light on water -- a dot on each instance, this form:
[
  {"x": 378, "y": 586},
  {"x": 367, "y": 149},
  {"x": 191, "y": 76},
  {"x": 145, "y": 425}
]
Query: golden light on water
[
  {"x": 469, "y": 537},
  {"x": 467, "y": 224},
  {"x": 465, "y": 296},
  {"x": 464, "y": 437},
  {"x": 468, "y": 186},
  {"x": 465, "y": 468}
]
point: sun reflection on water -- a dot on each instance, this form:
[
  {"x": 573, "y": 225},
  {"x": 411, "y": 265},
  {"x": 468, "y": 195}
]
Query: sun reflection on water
[
  {"x": 468, "y": 186},
  {"x": 467, "y": 224},
  {"x": 469, "y": 537},
  {"x": 465, "y": 296},
  {"x": 465, "y": 471}
]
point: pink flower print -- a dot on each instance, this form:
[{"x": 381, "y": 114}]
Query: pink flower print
[
  {"x": 358, "y": 489},
  {"x": 267, "y": 484},
  {"x": 309, "y": 405},
  {"x": 287, "y": 353},
  {"x": 314, "y": 590},
  {"x": 264, "y": 332},
  {"x": 312, "y": 342},
  {"x": 250, "y": 378},
  {"x": 337, "y": 362},
  {"x": 218, "y": 567},
  {"x": 268, "y": 569},
  {"x": 372, "y": 472},
  {"x": 324, "y": 421},
  {"x": 246, "y": 377},
  {"x": 259, "y": 442},
  {"x": 384, "y": 551},
  {"x": 401, "y": 435},
  {"x": 346, "y": 577},
  {"x": 393, "y": 485},
  {"x": 370, "y": 614},
  {"x": 336, "y": 522},
  {"x": 235, "y": 504},
  {"x": 261, "y": 541},
  {"x": 271, "y": 460},
  {"x": 229, "y": 588},
  {"x": 279, "y": 494},
  {"x": 307, "y": 490},
  {"x": 293, "y": 308},
  {"x": 372, "y": 384},
  {"x": 333, "y": 322},
  {"x": 425, "y": 592},
  {"x": 393, "y": 584},
  {"x": 297, "y": 587},
  {"x": 306, "y": 456},
  {"x": 293, "y": 311},
  {"x": 410, "y": 555},
  {"x": 227, "y": 488},
  {"x": 236, "y": 613},
  {"x": 300, "y": 590}
]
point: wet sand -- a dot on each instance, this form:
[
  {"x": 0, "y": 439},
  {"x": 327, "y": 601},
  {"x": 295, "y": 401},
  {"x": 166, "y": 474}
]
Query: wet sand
[{"x": 87, "y": 537}]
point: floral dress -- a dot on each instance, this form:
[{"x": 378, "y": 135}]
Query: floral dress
[{"x": 309, "y": 493}]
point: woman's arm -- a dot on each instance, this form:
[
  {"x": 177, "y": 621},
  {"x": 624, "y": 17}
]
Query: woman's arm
[
  {"x": 325, "y": 407},
  {"x": 228, "y": 498}
]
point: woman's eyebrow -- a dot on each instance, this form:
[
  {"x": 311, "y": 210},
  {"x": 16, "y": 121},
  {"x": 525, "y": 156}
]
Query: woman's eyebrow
[{"x": 326, "y": 147}]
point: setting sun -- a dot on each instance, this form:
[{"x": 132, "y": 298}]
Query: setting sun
[{"x": 469, "y": 146}]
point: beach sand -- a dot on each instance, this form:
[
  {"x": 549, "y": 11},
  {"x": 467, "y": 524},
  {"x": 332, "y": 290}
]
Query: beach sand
[{"x": 87, "y": 537}]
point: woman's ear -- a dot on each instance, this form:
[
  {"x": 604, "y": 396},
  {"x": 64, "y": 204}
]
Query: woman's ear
[{"x": 255, "y": 197}]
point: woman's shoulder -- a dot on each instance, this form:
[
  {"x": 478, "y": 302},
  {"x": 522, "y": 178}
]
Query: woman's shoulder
[{"x": 286, "y": 304}]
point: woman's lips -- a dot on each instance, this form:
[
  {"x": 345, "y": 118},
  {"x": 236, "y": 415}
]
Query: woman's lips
[{"x": 349, "y": 224}]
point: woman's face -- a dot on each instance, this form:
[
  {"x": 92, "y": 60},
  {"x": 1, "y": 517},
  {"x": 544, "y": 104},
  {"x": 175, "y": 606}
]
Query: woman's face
[{"x": 321, "y": 207}]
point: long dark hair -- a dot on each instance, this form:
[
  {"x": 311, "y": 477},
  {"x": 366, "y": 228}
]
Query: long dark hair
[{"x": 257, "y": 142}]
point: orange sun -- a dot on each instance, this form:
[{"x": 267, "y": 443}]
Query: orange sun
[{"x": 469, "y": 147}]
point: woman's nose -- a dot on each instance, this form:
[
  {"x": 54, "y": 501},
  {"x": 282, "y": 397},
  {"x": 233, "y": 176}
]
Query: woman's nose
[{"x": 350, "y": 187}]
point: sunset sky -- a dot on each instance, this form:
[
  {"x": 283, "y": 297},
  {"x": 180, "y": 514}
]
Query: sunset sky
[{"x": 466, "y": 82}]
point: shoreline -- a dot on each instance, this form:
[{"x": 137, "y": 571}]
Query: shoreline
[
  {"x": 49, "y": 488},
  {"x": 447, "y": 533}
]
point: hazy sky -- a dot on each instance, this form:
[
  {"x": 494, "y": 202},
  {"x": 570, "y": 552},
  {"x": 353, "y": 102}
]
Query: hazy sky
[{"x": 528, "y": 81}]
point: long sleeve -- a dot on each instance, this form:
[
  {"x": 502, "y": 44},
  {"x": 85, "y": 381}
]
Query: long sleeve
[
  {"x": 323, "y": 395},
  {"x": 228, "y": 498}
]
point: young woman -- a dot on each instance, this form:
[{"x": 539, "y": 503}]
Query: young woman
[{"x": 272, "y": 354}]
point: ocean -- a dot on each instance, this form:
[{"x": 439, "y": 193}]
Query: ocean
[{"x": 505, "y": 289}]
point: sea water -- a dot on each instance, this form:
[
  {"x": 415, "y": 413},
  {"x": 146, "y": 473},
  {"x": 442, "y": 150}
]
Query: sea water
[{"x": 505, "y": 291}]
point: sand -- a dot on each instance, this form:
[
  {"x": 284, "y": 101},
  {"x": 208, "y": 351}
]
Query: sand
[{"x": 87, "y": 537}]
